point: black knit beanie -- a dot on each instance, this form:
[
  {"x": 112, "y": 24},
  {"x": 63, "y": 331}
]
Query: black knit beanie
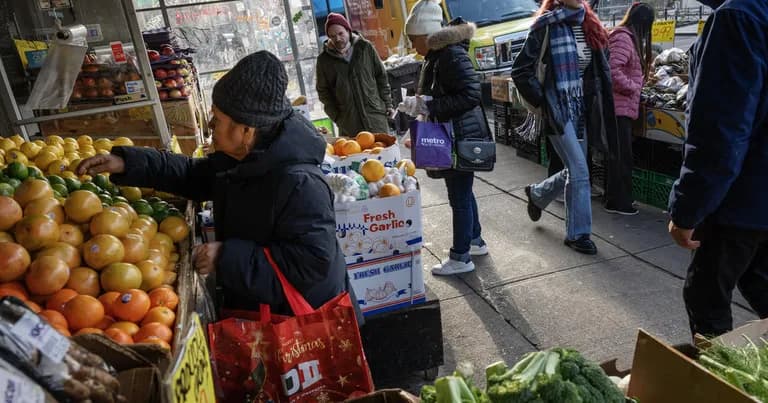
[{"x": 253, "y": 92}]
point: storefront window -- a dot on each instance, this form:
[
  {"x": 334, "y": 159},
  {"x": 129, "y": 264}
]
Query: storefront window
[{"x": 149, "y": 20}]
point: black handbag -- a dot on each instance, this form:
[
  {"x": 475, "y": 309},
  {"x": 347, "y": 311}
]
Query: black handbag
[{"x": 474, "y": 153}]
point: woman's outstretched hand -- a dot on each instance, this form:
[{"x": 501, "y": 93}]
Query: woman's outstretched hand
[{"x": 101, "y": 163}]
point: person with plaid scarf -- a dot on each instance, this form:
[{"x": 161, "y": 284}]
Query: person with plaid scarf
[{"x": 576, "y": 103}]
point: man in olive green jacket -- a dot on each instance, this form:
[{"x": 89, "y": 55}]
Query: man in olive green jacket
[{"x": 351, "y": 80}]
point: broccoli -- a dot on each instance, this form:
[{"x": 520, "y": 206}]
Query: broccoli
[
  {"x": 428, "y": 394},
  {"x": 593, "y": 384}
]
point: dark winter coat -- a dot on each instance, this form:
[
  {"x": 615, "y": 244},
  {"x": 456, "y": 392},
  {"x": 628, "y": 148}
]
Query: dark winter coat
[
  {"x": 725, "y": 168},
  {"x": 276, "y": 197},
  {"x": 598, "y": 92},
  {"x": 355, "y": 93},
  {"x": 450, "y": 78}
]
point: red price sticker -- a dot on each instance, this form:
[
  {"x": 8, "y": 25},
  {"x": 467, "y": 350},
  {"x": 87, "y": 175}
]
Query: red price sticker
[{"x": 118, "y": 53}]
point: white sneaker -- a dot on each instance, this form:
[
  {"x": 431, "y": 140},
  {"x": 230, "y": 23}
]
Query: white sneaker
[
  {"x": 450, "y": 267},
  {"x": 475, "y": 250}
]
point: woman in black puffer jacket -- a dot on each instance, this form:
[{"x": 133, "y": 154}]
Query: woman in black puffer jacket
[{"x": 449, "y": 87}]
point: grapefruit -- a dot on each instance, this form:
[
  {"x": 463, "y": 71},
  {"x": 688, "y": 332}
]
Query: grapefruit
[
  {"x": 162, "y": 242},
  {"x": 127, "y": 207},
  {"x": 71, "y": 234},
  {"x": 147, "y": 225},
  {"x": 83, "y": 311},
  {"x": 64, "y": 251},
  {"x": 136, "y": 248},
  {"x": 47, "y": 206},
  {"x": 85, "y": 281},
  {"x": 103, "y": 250},
  {"x": 36, "y": 232},
  {"x": 110, "y": 222},
  {"x": 120, "y": 277},
  {"x": 365, "y": 139},
  {"x": 32, "y": 189},
  {"x": 47, "y": 275},
  {"x": 175, "y": 227},
  {"x": 351, "y": 147},
  {"x": 81, "y": 205},
  {"x": 152, "y": 275},
  {"x": 14, "y": 261},
  {"x": 389, "y": 190},
  {"x": 10, "y": 213},
  {"x": 373, "y": 171},
  {"x": 410, "y": 167},
  {"x": 159, "y": 257}
]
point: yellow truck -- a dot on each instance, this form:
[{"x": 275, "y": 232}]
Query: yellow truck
[{"x": 502, "y": 27}]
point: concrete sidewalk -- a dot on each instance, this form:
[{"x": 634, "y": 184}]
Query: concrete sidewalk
[{"x": 532, "y": 292}]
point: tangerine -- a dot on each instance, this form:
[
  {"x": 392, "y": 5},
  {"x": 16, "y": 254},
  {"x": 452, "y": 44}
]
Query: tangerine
[
  {"x": 85, "y": 281},
  {"x": 136, "y": 248},
  {"x": 34, "y": 307},
  {"x": 351, "y": 147},
  {"x": 89, "y": 330},
  {"x": 157, "y": 341},
  {"x": 118, "y": 336},
  {"x": 154, "y": 329},
  {"x": 57, "y": 301},
  {"x": 54, "y": 318},
  {"x": 106, "y": 322},
  {"x": 64, "y": 251},
  {"x": 47, "y": 275},
  {"x": 15, "y": 289},
  {"x": 63, "y": 330},
  {"x": 159, "y": 314},
  {"x": 131, "y": 306},
  {"x": 71, "y": 234},
  {"x": 337, "y": 146},
  {"x": 81, "y": 205},
  {"x": 164, "y": 296},
  {"x": 103, "y": 250},
  {"x": 83, "y": 311},
  {"x": 128, "y": 327},
  {"x": 365, "y": 139},
  {"x": 35, "y": 232},
  {"x": 120, "y": 277},
  {"x": 107, "y": 300},
  {"x": 152, "y": 275}
]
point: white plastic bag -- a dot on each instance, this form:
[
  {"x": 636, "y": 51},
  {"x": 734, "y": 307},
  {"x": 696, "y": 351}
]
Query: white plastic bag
[{"x": 56, "y": 79}]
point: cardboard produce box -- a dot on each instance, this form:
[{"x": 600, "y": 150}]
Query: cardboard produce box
[
  {"x": 663, "y": 374},
  {"x": 389, "y": 156},
  {"x": 500, "y": 88},
  {"x": 389, "y": 283}
]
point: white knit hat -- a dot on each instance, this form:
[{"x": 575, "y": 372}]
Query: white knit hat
[{"x": 426, "y": 18}]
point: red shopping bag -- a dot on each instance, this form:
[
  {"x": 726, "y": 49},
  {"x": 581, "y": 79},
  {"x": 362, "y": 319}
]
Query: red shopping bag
[{"x": 314, "y": 356}]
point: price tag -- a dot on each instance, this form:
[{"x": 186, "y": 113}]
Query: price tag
[
  {"x": 701, "y": 27},
  {"x": 663, "y": 32},
  {"x": 192, "y": 379},
  {"x": 15, "y": 389},
  {"x": 39, "y": 334},
  {"x": 134, "y": 87},
  {"x": 118, "y": 53}
]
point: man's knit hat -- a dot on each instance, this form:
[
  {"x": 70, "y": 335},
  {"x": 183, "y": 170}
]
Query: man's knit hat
[
  {"x": 337, "y": 19},
  {"x": 426, "y": 18},
  {"x": 253, "y": 92}
]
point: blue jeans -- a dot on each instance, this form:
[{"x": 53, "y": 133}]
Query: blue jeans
[
  {"x": 466, "y": 223},
  {"x": 574, "y": 180}
]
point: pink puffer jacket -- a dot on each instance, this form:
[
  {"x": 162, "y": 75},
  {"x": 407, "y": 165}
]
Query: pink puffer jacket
[{"x": 626, "y": 72}]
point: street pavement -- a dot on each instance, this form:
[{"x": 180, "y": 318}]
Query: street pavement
[{"x": 532, "y": 292}]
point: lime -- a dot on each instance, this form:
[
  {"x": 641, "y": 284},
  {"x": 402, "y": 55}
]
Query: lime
[
  {"x": 153, "y": 200},
  {"x": 161, "y": 215},
  {"x": 14, "y": 182},
  {"x": 6, "y": 189},
  {"x": 56, "y": 180},
  {"x": 113, "y": 189},
  {"x": 72, "y": 184},
  {"x": 18, "y": 170},
  {"x": 101, "y": 181},
  {"x": 61, "y": 189},
  {"x": 57, "y": 195},
  {"x": 119, "y": 199},
  {"x": 91, "y": 187},
  {"x": 143, "y": 208},
  {"x": 35, "y": 172},
  {"x": 160, "y": 205},
  {"x": 175, "y": 212},
  {"x": 106, "y": 198}
]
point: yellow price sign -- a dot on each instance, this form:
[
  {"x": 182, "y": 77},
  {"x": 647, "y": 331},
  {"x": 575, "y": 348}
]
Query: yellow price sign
[
  {"x": 663, "y": 32},
  {"x": 701, "y": 27},
  {"x": 192, "y": 378}
]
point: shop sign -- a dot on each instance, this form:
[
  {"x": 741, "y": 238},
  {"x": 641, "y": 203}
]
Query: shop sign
[
  {"x": 663, "y": 32},
  {"x": 192, "y": 378},
  {"x": 118, "y": 54}
]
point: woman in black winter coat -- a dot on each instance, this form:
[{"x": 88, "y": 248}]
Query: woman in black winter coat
[
  {"x": 449, "y": 90},
  {"x": 267, "y": 188}
]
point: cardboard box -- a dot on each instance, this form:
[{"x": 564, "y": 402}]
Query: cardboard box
[
  {"x": 663, "y": 374},
  {"x": 381, "y": 226},
  {"x": 387, "y": 396},
  {"x": 387, "y": 283},
  {"x": 666, "y": 125},
  {"x": 500, "y": 88},
  {"x": 390, "y": 156}
]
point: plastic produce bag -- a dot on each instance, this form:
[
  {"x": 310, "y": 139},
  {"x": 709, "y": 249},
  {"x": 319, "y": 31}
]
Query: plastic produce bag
[{"x": 56, "y": 80}]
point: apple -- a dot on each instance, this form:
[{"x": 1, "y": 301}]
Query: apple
[
  {"x": 153, "y": 55},
  {"x": 158, "y": 84},
  {"x": 184, "y": 62},
  {"x": 132, "y": 76},
  {"x": 167, "y": 50},
  {"x": 91, "y": 68},
  {"x": 179, "y": 81},
  {"x": 106, "y": 93},
  {"x": 172, "y": 72},
  {"x": 175, "y": 61},
  {"x": 104, "y": 83},
  {"x": 161, "y": 74},
  {"x": 183, "y": 72},
  {"x": 76, "y": 94},
  {"x": 89, "y": 82},
  {"x": 184, "y": 91},
  {"x": 78, "y": 83},
  {"x": 175, "y": 93},
  {"x": 169, "y": 83},
  {"x": 163, "y": 95},
  {"x": 91, "y": 93}
]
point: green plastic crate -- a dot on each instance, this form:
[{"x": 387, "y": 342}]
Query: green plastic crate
[
  {"x": 652, "y": 188},
  {"x": 327, "y": 123}
]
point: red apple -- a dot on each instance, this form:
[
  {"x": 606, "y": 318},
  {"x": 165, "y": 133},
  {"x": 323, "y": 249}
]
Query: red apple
[
  {"x": 167, "y": 50},
  {"x": 169, "y": 83},
  {"x": 172, "y": 72},
  {"x": 179, "y": 81},
  {"x": 104, "y": 83},
  {"x": 153, "y": 55},
  {"x": 184, "y": 91},
  {"x": 89, "y": 82},
  {"x": 175, "y": 93},
  {"x": 77, "y": 94},
  {"x": 163, "y": 95},
  {"x": 161, "y": 74},
  {"x": 91, "y": 93},
  {"x": 158, "y": 84},
  {"x": 106, "y": 93}
]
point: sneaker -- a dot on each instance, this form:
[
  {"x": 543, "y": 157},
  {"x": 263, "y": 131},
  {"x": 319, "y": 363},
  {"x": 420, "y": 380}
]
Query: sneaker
[
  {"x": 622, "y": 211},
  {"x": 478, "y": 250},
  {"x": 582, "y": 244},
  {"x": 534, "y": 212},
  {"x": 451, "y": 266}
]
